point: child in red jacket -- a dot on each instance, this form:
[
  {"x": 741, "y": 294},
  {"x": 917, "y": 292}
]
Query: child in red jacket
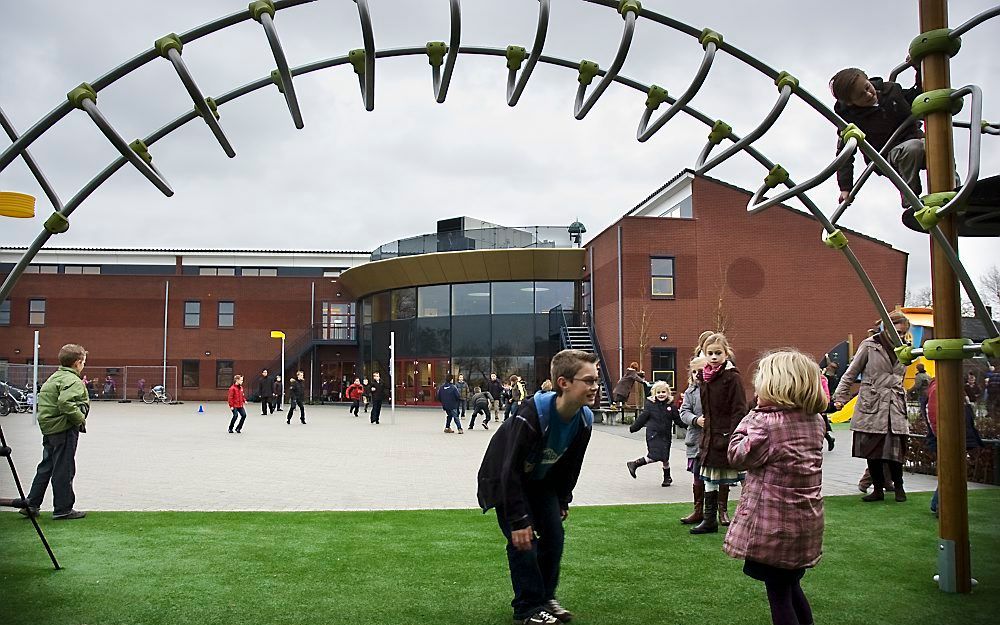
[{"x": 237, "y": 399}]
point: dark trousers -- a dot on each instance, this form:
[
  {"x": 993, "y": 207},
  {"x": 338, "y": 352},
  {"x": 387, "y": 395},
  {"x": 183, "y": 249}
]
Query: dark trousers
[
  {"x": 264, "y": 403},
  {"x": 534, "y": 574},
  {"x": 242, "y": 414},
  {"x": 878, "y": 474},
  {"x": 789, "y": 605},
  {"x": 292, "y": 402},
  {"x": 355, "y": 406},
  {"x": 480, "y": 410},
  {"x": 376, "y": 410},
  {"x": 58, "y": 465},
  {"x": 511, "y": 409}
]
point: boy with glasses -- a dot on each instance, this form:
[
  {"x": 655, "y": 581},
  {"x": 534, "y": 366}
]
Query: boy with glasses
[{"x": 528, "y": 474}]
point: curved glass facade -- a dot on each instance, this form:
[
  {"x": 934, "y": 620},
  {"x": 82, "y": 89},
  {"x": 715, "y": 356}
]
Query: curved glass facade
[{"x": 471, "y": 329}]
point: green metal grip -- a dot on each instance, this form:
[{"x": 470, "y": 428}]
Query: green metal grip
[
  {"x": 932, "y": 41},
  {"x": 259, "y": 7},
  {"x": 945, "y": 349},
  {"x": 56, "y": 223},
  {"x": 357, "y": 59},
  {"x": 212, "y": 106},
  {"x": 936, "y": 101},
  {"x": 436, "y": 50},
  {"x": 588, "y": 69},
  {"x": 852, "y": 131},
  {"x": 168, "y": 42},
  {"x": 836, "y": 240},
  {"x": 991, "y": 347},
  {"x": 710, "y": 36},
  {"x": 81, "y": 93},
  {"x": 630, "y": 6},
  {"x": 776, "y": 176},
  {"x": 905, "y": 354},
  {"x": 784, "y": 78},
  {"x": 656, "y": 96},
  {"x": 276, "y": 79},
  {"x": 515, "y": 56},
  {"x": 139, "y": 147},
  {"x": 720, "y": 131},
  {"x": 927, "y": 217}
]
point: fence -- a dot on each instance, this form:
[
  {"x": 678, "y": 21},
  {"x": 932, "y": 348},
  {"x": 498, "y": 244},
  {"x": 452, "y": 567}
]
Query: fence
[
  {"x": 146, "y": 378},
  {"x": 106, "y": 382}
]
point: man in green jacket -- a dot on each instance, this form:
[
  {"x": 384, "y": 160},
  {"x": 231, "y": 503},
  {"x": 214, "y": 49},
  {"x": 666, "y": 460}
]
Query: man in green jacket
[{"x": 63, "y": 405}]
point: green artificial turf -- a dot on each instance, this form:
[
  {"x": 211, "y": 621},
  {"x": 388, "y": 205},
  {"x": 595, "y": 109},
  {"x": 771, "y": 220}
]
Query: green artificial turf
[{"x": 623, "y": 564}]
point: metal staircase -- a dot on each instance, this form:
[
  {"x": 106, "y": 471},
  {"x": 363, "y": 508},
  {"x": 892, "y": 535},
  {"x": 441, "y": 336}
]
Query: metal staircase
[{"x": 583, "y": 338}]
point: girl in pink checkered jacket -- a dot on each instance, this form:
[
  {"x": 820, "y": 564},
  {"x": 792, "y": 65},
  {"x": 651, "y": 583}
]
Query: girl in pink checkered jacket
[{"x": 778, "y": 526}]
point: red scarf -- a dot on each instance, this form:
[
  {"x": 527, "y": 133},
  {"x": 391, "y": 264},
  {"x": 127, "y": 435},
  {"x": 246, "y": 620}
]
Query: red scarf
[{"x": 711, "y": 371}]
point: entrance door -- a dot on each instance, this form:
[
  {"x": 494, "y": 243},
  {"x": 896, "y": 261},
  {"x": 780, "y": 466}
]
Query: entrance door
[
  {"x": 335, "y": 376},
  {"x": 664, "y": 362},
  {"x": 336, "y": 321}
]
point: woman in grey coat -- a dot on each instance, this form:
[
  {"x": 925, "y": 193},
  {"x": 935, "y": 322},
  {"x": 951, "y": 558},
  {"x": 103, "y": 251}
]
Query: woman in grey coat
[
  {"x": 690, "y": 411},
  {"x": 879, "y": 423}
]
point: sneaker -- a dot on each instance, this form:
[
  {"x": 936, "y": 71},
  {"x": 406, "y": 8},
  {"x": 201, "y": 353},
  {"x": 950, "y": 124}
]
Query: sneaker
[
  {"x": 72, "y": 514},
  {"x": 486, "y": 425},
  {"x": 538, "y": 618},
  {"x": 556, "y": 610},
  {"x": 28, "y": 512},
  {"x": 449, "y": 431},
  {"x": 461, "y": 431}
]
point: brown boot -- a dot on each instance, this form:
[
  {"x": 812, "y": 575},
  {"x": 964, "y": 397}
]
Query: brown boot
[
  {"x": 709, "y": 524},
  {"x": 632, "y": 465},
  {"x": 724, "y": 505},
  {"x": 699, "y": 503},
  {"x": 865, "y": 482}
]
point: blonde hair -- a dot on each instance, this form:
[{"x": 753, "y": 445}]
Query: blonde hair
[
  {"x": 547, "y": 386},
  {"x": 697, "y": 364},
  {"x": 718, "y": 338},
  {"x": 700, "y": 347},
  {"x": 790, "y": 379},
  {"x": 661, "y": 385}
]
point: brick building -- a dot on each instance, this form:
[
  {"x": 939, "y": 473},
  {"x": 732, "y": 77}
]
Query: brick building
[{"x": 692, "y": 258}]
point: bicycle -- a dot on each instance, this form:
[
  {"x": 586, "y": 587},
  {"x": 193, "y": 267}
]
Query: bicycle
[{"x": 156, "y": 394}]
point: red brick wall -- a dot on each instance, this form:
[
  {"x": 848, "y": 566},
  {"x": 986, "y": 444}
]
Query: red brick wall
[
  {"x": 779, "y": 285},
  {"x": 119, "y": 319}
]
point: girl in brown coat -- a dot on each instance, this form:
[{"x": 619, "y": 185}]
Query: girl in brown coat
[{"x": 723, "y": 405}]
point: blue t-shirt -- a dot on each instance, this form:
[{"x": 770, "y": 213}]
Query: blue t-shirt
[{"x": 557, "y": 440}]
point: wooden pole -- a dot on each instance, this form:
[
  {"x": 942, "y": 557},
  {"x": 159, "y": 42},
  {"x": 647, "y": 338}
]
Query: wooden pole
[{"x": 953, "y": 548}]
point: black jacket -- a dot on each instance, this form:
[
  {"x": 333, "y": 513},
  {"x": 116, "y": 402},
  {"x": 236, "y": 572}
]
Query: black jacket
[
  {"x": 481, "y": 400},
  {"x": 377, "y": 390},
  {"x": 296, "y": 388},
  {"x": 265, "y": 387},
  {"x": 449, "y": 396},
  {"x": 657, "y": 417},
  {"x": 494, "y": 388},
  {"x": 510, "y": 458},
  {"x": 879, "y": 122}
]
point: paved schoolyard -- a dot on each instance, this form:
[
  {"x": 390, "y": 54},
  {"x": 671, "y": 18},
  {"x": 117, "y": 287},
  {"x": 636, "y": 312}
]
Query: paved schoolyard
[{"x": 154, "y": 457}]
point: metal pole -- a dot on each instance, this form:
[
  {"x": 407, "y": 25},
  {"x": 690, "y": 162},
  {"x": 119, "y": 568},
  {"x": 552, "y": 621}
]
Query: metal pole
[
  {"x": 34, "y": 383},
  {"x": 166, "y": 300},
  {"x": 953, "y": 548},
  {"x": 621, "y": 310},
  {"x": 282, "y": 397},
  {"x": 392, "y": 369},
  {"x": 312, "y": 326}
]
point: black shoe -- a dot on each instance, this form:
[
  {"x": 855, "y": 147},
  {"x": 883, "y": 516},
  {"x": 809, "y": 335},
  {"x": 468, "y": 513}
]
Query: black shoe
[
  {"x": 30, "y": 511},
  {"x": 72, "y": 514},
  {"x": 288, "y": 420},
  {"x": 877, "y": 494},
  {"x": 900, "y": 494},
  {"x": 230, "y": 431},
  {"x": 486, "y": 425},
  {"x": 830, "y": 442},
  {"x": 303, "y": 421},
  {"x": 281, "y": 409},
  {"x": 239, "y": 431}
]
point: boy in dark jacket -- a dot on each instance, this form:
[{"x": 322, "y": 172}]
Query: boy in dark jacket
[
  {"x": 528, "y": 474},
  {"x": 878, "y": 108},
  {"x": 450, "y": 399},
  {"x": 480, "y": 403}
]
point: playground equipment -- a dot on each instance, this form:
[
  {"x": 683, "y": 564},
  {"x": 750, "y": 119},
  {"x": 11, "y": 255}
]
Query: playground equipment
[{"x": 942, "y": 213}]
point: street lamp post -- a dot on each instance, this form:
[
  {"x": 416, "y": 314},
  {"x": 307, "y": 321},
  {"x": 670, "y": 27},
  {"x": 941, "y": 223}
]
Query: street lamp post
[{"x": 277, "y": 334}]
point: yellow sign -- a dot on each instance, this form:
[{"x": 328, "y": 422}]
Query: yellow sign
[
  {"x": 19, "y": 205},
  {"x": 277, "y": 334}
]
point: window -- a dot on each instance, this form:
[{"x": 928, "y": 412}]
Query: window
[
  {"x": 41, "y": 269},
  {"x": 259, "y": 271},
  {"x": 223, "y": 373},
  {"x": 89, "y": 270},
  {"x": 664, "y": 361},
  {"x": 216, "y": 271},
  {"x": 470, "y": 299},
  {"x": 192, "y": 314},
  {"x": 36, "y": 312},
  {"x": 661, "y": 269},
  {"x": 548, "y": 295},
  {"x": 190, "y": 373},
  {"x": 681, "y": 209},
  {"x": 227, "y": 314},
  {"x": 404, "y": 303},
  {"x": 5, "y": 313},
  {"x": 513, "y": 297},
  {"x": 333, "y": 272},
  {"x": 433, "y": 301}
]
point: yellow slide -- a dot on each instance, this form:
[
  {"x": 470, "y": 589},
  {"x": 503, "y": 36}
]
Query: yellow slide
[{"x": 845, "y": 413}]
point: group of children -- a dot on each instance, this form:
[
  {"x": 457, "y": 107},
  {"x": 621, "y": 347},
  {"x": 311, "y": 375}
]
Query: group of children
[
  {"x": 237, "y": 399},
  {"x": 776, "y": 449}
]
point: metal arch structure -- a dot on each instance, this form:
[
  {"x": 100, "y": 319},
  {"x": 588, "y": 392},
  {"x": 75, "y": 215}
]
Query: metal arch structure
[{"x": 937, "y": 211}]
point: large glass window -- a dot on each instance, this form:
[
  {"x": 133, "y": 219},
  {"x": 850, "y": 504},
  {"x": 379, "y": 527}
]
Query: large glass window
[
  {"x": 470, "y": 299},
  {"x": 380, "y": 306},
  {"x": 664, "y": 361},
  {"x": 505, "y": 366},
  {"x": 366, "y": 310},
  {"x": 404, "y": 303},
  {"x": 192, "y": 314},
  {"x": 36, "y": 312},
  {"x": 224, "y": 373},
  {"x": 190, "y": 373},
  {"x": 513, "y": 335},
  {"x": 470, "y": 335},
  {"x": 661, "y": 270},
  {"x": 432, "y": 336},
  {"x": 548, "y": 295},
  {"x": 475, "y": 369},
  {"x": 433, "y": 301},
  {"x": 5, "y": 313},
  {"x": 227, "y": 314},
  {"x": 513, "y": 298}
]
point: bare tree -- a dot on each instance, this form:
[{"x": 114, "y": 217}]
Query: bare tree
[
  {"x": 919, "y": 297},
  {"x": 989, "y": 282},
  {"x": 642, "y": 329},
  {"x": 721, "y": 316}
]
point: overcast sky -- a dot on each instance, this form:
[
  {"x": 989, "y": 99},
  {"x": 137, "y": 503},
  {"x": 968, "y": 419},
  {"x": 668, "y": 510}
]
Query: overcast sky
[{"x": 352, "y": 180}]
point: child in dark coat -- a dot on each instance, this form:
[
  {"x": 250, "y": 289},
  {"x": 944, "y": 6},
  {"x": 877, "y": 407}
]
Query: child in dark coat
[{"x": 658, "y": 417}]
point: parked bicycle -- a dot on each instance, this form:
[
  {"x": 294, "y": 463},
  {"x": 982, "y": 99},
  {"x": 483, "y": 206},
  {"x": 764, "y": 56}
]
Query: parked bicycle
[
  {"x": 13, "y": 399},
  {"x": 156, "y": 394}
]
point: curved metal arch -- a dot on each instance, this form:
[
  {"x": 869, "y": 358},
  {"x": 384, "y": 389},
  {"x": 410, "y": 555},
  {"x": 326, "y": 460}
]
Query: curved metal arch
[
  {"x": 175, "y": 58},
  {"x": 287, "y": 86},
  {"x": 367, "y": 81},
  {"x": 643, "y": 133},
  {"x": 583, "y": 103},
  {"x": 515, "y": 83},
  {"x": 702, "y": 167},
  {"x": 441, "y": 81}
]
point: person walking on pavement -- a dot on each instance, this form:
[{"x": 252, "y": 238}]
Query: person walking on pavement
[
  {"x": 450, "y": 399},
  {"x": 296, "y": 393},
  {"x": 63, "y": 406},
  {"x": 463, "y": 391},
  {"x": 237, "y": 400},
  {"x": 495, "y": 389},
  {"x": 354, "y": 393},
  {"x": 377, "y": 390},
  {"x": 265, "y": 389},
  {"x": 279, "y": 392}
]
